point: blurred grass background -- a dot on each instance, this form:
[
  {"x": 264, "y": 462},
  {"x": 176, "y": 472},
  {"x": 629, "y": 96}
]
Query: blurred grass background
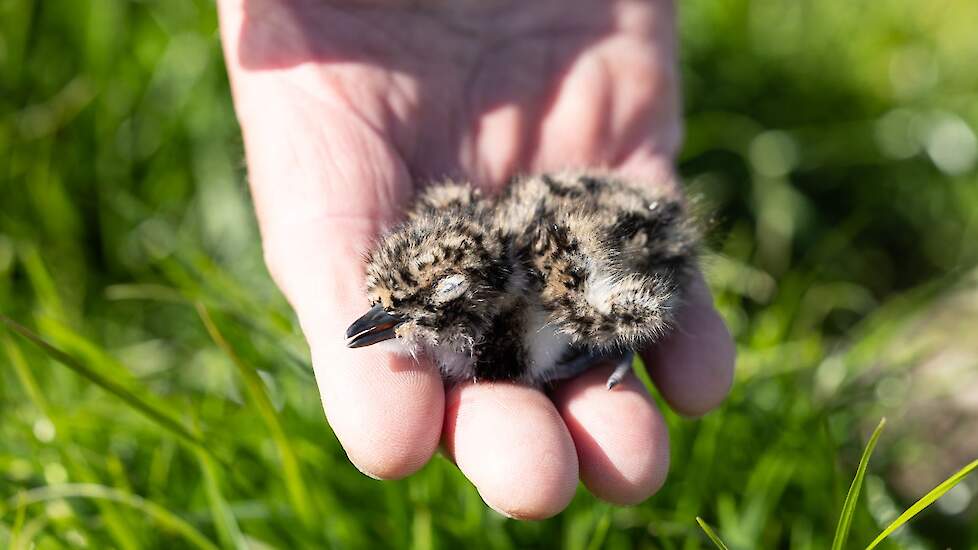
[{"x": 835, "y": 139}]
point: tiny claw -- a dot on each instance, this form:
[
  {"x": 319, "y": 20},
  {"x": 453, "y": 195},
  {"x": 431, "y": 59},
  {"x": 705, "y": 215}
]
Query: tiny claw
[{"x": 621, "y": 369}]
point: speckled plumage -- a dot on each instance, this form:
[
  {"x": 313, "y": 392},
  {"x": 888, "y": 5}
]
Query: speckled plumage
[{"x": 534, "y": 284}]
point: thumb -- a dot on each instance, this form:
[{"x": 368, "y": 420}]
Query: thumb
[{"x": 323, "y": 186}]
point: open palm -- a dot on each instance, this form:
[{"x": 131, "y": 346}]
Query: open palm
[{"x": 345, "y": 106}]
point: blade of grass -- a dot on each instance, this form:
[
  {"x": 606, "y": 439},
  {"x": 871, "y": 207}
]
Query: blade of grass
[
  {"x": 224, "y": 519},
  {"x": 32, "y": 530},
  {"x": 150, "y": 410},
  {"x": 600, "y": 530},
  {"x": 18, "y": 526},
  {"x": 709, "y": 533},
  {"x": 421, "y": 530},
  {"x": 294, "y": 483},
  {"x": 849, "y": 507},
  {"x": 44, "y": 286},
  {"x": 24, "y": 375},
  {"x": 161, "y": 515},
  {"x": 924, "y": 502}
]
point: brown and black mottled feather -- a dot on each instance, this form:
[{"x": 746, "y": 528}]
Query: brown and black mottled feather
[{"x": 525, "y": 286}]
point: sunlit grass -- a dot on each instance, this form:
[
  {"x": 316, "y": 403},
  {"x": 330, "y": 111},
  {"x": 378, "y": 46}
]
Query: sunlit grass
[
  {"x": 924, "y": 502},
  {"x": 711, "y": 534},
  {"x": 849, "y": 507},
  {"x": 852, "y": 498},
  {"x": 155, "y": 390},
  {"x": 163, "y": 518}
]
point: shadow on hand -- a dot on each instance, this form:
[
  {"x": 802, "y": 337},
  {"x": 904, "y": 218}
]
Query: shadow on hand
[{"x": 437, "y": 66}]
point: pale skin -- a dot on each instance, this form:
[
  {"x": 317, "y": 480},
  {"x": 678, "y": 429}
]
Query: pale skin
[{"x": 345, "y": 106}]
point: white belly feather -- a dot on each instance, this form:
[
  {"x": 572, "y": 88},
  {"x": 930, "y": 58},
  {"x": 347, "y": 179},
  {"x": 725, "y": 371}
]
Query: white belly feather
[{"x": 544, "y": 346}]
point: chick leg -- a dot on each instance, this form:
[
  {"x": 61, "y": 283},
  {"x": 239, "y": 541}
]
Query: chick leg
[
  {"x": 580, "y": 363},
  {"x": 622, "y": 368}
]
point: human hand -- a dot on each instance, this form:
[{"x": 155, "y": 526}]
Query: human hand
[{"x": 344, "y": 105}]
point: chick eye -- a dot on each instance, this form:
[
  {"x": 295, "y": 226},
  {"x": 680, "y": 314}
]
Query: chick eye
[{"x": 449, "y": 288}]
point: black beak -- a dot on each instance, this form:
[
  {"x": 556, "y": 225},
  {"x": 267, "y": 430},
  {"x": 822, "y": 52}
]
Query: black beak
[{"x": 375, "y": 326}]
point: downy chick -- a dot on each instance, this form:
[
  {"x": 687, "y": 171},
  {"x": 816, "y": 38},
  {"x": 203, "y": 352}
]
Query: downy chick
[{"x": 535, "y": 285}]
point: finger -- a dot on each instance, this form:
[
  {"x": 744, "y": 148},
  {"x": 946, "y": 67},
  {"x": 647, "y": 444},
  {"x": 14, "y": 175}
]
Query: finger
[
  {"x": 693, "y": 366},
  {"x": 621, "y": 439},
  {"x": 323, "y": 187},
  {"x": 385, "y": 409},
  {"x": 510, "y": 442},
  {"x": 622, "y": 99}
]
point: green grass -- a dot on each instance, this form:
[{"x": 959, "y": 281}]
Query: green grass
[
  {"x": 155, "y": 391},
  {"x": 849, "y": 508},
  {"x": 711, "y": 534},
  {"x": 924, "y": 502},
  {"x": 852, "y": 497}
]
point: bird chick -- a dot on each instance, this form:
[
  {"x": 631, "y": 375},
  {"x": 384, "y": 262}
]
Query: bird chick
[{"x": 535, "y": 285}]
